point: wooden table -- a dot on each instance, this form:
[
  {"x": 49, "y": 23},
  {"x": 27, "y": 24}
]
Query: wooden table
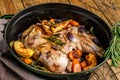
[{"x": 108, "y": 10}]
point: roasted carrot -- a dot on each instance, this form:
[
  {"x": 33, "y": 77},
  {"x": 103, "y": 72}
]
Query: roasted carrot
[
  {"x": 79, "y": 52},
  {"x": 75, "y": 54},
  {"x": 76, "y": 65},
  {"x": 52, "y": 20},
  {"x": 74, "y": 23},
  {"x": 83, "y": 64},
  {"x": 85, "y": 68},
  {"x": 60, "y": 26},
  {"x": 70, "y": 55},
  {"x": 27, "y": 60}
]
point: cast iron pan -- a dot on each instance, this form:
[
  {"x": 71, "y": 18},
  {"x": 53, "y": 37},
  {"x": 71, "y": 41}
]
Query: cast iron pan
[{"x": 29, "y": 16}]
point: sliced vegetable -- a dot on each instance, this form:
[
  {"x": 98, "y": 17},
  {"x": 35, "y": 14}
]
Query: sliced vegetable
[
  {"x": 85, "y": 68},
  {"x": 60, "y": 26},
  {"x": 76, "y": 65},
  {"x": 51, "y": 22},
  {"x": 71, "y": 37},
  {"x": 74, "y": 23},
  {"x": 20, "y": 50},
  {"x": 46, "y": 30},
  {"x": 46, "y": 27},
  {"x": 83, "y": 64},
  {"x": 27, "y": 60},
  {"x": 91, "y": 60},
  {"x": 75, "y": 54}
]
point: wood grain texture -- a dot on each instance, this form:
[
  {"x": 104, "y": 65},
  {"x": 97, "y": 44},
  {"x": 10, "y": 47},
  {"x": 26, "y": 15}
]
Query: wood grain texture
[
  {"x": 7, "y": 7},
  {"x": 103, "y": 73},
  {"x": 28, "y": 3},
  {"x": 116, "y": 70},
  {"x": 59, "y": 1},
  {"x": 90, "y": 6},
  {"x": 10, "y": 6},
  {"x": 18, "y": 5},
  {"x": 110, "y": 9}
]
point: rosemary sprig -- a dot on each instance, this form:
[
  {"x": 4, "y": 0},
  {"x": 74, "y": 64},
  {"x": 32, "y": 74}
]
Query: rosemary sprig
[
  {"x": 55, "y": 40},
  {"x": 113, "y": 50},
  {"x": 41, "y": 68}
]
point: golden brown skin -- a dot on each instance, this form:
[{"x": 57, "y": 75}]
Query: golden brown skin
[
  {"x": 34, "y": 38},
  {"x": 55, "y": 61}
]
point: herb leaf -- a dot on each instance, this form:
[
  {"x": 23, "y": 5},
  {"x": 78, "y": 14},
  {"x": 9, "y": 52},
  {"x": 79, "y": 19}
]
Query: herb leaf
[
  {"x": 113, "y": 50},
  {"x": 55, "y": 40},
  {"x": 41, "y": 68}
]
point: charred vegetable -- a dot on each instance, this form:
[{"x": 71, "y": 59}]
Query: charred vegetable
[
  {"x": 27, "y": 60},
  {"x": 76, "y": 65},
  {"x": 75, "y": 54},
  {"x": 23, "y": 52}
]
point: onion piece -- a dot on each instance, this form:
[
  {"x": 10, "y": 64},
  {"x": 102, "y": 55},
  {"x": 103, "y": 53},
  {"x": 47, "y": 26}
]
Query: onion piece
[
  {"x": 71, "y": 37},
  {"x": 82, "y": 29}
]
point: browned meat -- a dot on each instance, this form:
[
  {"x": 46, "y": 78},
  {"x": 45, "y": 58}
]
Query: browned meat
[
  {"x": 89, "y": 46},
  {"x": 84, "y": 42},
  {"x": 54, "y": 60},
  {"x": 52, "y": 56},
  {"x": 34, "y": 38}
]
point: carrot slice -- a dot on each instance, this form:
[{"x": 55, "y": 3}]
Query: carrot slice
[
  {"x": 79, "y": 52},
  {"x": 85, "y": 68},
  {"x": 76, "y": 65},
  {"x": 74, "y": 23},
  {"x": 70, "y": 55},
  {"x": 75, "y": 54},
  {"x": 83, "y": 64},
  {"x": 27, "y": 60}
]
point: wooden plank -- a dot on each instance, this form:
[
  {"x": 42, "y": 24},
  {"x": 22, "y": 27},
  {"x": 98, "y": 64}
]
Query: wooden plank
[
  {"x": 110, "y": 9},
  {"x": 116, "y": 70},
  {"x": 28, "y": 3},
  {"x": 18, "y": 5},
  {"x": 59, "y": 1},
  {"x": 1, "y": 7},
  {"x": 103, "y": 73},
  {"x": 7, "y": 7},
  {"x": 10, "y": 6},
  {"x": 90, "y": 6}
]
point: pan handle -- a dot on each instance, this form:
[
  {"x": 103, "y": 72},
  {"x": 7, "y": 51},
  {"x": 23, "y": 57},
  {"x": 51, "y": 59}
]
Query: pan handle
[{"x": 8, "y": 16}]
